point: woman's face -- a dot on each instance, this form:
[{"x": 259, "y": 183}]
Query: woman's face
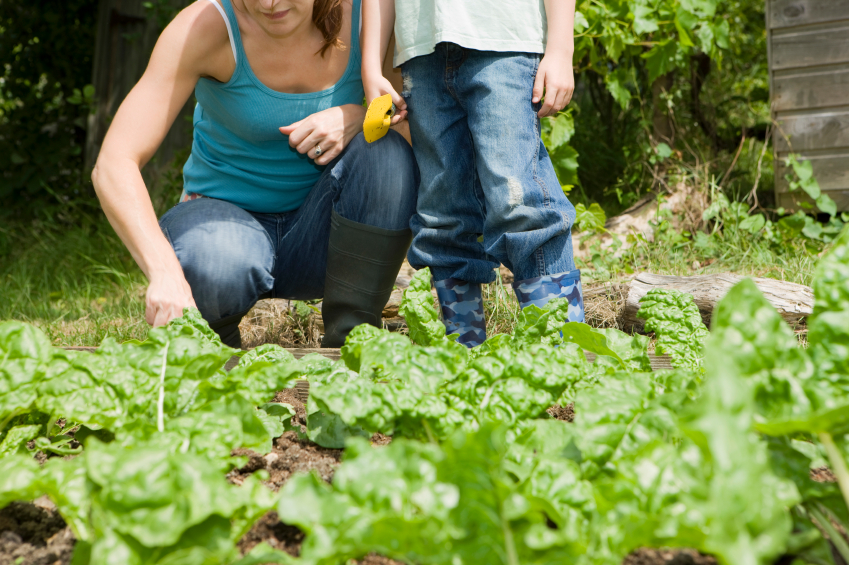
[{"x": 280, "y": 17}]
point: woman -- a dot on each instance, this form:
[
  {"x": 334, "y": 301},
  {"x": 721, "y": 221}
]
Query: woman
[{"x": 306, "y": 210}]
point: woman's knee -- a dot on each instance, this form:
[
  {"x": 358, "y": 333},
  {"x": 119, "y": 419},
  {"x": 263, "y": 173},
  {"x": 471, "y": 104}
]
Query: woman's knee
[{"x": 226, "y": 255}]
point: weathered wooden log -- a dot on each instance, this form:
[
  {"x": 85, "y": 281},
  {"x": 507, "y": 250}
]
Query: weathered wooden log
[{"x": 794, "y": 302}]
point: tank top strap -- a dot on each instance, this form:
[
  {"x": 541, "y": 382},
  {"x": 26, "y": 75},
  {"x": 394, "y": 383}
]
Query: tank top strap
[
  {"x": 232, "y": 30},
  {"x": 356, "y": 25}
]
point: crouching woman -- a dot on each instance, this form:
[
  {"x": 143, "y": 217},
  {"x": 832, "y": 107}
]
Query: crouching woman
[{"x": 282, "y": 196}]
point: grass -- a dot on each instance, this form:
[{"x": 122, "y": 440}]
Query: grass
[{"x": 74, "y": 279}]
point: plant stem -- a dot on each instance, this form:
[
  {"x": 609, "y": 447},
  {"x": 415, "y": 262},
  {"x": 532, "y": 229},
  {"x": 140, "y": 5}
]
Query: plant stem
[
  {"x": 838, "y": 464},
  {"x": 836, "y": 539},
  {"x": 510, "y": 545},
  {"x": 160, "y": 404}
]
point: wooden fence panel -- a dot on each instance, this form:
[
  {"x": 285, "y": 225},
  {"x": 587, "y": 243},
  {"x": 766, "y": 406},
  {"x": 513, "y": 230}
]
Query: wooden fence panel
[
  {"x": 808, "y": 42},
  {"x": 789, "y": 13},
  {"x": 818, "y": 87},
  {"x": 810, "y": 46},
  {"x": 807, "y": 131}
]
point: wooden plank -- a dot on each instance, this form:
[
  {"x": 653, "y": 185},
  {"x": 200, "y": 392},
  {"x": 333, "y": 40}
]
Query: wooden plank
[
  {"x": 819, "y": 87},
  {"x": 820, "y": 129},
  {"x": 831, "y": 169},
  {"x": 794, "y": 302},
  {"x": 816, "y": 45},
  {"x": 788, "y": 13},
  {"x": 790, "y": 201}
]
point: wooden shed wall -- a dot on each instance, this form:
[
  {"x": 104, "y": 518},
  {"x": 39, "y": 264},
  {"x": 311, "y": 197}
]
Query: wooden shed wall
[{"x": 809, "y": 80}]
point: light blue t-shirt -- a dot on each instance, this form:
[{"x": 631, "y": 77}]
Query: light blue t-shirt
[
  {"x": 485, "y": 25},
  {"x": 238, "y": 153}
]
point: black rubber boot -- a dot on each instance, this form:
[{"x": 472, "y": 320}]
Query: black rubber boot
[
  {"x": 228, "y": 330},
  {"x": 362, "y": 265}
]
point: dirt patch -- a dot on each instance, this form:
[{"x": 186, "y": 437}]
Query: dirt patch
[
  {"x": 379, "y": 439},
  {"x": 823, "y": 475},
  {"x": 372, "y": 559},
  {"x": 290, "y": 396},
  {"x": 290, "y": 455},
  {"x": 275, "y": 533},
  {"x": 30, "y": 535},
  {"x": 646, "y": 556},
  {"x": 562, "y": 413}
]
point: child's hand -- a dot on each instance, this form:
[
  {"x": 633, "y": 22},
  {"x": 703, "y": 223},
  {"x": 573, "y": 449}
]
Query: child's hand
[
  {"x": 378, "y": 86},
  {"x": 556, "y": 77}
]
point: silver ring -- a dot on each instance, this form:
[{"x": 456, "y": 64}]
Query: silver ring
[{"x": 318, "y": 150}]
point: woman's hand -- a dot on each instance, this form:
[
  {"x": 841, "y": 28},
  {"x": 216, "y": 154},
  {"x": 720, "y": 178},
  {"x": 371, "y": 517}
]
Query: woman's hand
[
  {"x": 331, "y": 129},
  {"x": 378, "y": 86},
  {"x": 556, "y": 79},
  {"x": 167, "y": 295}
]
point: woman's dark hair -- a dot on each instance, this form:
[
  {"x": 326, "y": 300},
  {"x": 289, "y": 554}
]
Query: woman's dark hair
[{"x": 327, "y": 17}]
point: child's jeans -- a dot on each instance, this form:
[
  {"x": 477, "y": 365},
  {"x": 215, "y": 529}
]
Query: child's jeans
[{"x": 484, "y": 169}]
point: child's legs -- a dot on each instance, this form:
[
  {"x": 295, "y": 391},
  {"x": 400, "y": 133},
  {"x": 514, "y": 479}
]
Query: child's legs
[
  {"x": 528, "y": 218},
  {"x": 450, "y": 209}
]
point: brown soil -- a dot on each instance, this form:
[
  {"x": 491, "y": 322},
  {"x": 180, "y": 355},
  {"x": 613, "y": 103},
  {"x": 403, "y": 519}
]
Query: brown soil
[
  {"x": 372, "y": 559},
  {"x": 823, "y": 475},
  {"x": 646, "y": 556},
  {"x": 379, "y": 440},
  {"x": 275, "y": 533},
  {"x": 290, "y": 396},
  {"x": 563, "y": 413},
  {"x": 290, "y": 455},
  {"x": 30, "y": 535}
]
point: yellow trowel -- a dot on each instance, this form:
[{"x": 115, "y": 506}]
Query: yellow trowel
[{"x": 378, "y": 117}]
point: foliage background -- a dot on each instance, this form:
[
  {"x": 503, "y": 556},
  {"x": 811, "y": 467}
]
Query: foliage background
[{"x": 46, "y": 53}]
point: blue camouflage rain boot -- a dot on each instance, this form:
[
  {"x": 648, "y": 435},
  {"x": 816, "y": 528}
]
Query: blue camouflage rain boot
[
  {"x": 462, "y": 310},
  {"x": 540, "y": 290}
]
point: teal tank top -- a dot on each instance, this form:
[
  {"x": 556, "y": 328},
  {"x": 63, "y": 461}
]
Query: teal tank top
[{"x": 238, "y": 154}]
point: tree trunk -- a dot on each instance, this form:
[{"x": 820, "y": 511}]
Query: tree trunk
[
  {"x": 126, "y": 34},
  {"x": 661, "y": 122},
  {"x": 794, "y": 302}
]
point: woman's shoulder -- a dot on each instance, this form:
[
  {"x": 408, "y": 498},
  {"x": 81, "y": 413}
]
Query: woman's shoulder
[{"x": 198, "y": 36}]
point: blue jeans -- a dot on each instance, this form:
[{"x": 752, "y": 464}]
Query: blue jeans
[
  {"x": 232, "y": 257},
  {"x": 484, "y": 169}
]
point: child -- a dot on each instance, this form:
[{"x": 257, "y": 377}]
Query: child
[{"x": 476, "y": 84}]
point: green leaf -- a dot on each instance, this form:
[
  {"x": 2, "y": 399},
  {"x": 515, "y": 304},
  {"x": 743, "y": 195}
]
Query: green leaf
[
  {"x": 17, "y": 437},
  {"x": 678, "y": 326},
  {"x": 826, "y": 204},
  {"x": 565, "y": 160},
  {"x": 589, "y": 339},
  {"x": 417, "y": 309},
  {"x": 660, "y": 59},
  {"x": 753, "y": 223},
  {"x": 592, "y": 219},
  {"x": 616, "y": 85},
  {"x": 562, "y": 129},
  {"x": 645, "y": 19}
]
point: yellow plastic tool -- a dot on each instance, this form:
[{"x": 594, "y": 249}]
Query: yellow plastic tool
[{"x": 378, "y": 118}]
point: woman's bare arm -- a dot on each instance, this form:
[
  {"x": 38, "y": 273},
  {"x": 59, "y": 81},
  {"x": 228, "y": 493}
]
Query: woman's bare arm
[{"x": 190, "y": 47}]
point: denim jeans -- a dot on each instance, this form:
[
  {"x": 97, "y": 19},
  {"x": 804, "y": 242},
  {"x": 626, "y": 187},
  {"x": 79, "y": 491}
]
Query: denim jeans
[
  {"x": 232, "y": 257},
  {"x": 484, "y": 169}
]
